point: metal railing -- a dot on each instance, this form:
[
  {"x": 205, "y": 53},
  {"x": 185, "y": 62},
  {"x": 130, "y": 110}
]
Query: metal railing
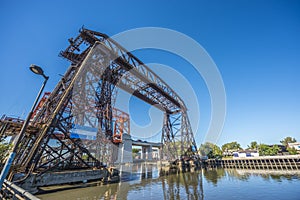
[{"x": 14, "y": 192}]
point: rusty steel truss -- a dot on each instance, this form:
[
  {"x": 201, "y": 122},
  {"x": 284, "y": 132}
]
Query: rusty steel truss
[{"x": 84, "y": 98}]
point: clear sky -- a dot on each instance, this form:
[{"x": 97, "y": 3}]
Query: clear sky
[{"x": 255, "y": 44}]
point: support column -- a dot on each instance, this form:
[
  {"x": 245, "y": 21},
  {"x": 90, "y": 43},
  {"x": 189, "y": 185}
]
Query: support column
[
  {"x": 149, "y": 152},
  {"x": 143, "y": 153},
  {"x": 159, "y": 155},
  {"x": 125, "y": 150}
]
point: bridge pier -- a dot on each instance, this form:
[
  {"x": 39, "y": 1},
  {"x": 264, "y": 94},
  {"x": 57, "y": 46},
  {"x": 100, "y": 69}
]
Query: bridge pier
[
  {"x": 125, "y": 150},
  {"x": 146, "y": 152}
]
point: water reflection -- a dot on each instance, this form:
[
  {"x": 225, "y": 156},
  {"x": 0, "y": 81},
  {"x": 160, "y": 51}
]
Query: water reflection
[
  {"x": 216, "y": 175},
  {"x": 274, "y": 175},
  {"x": 145, "y": 181},
  {"x": 183, "y": 186},
  {"x": 174, "y": 186}
]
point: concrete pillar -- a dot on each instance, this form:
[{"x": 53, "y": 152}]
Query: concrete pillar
[
  {"x": 149, "y": 152},
  {"x": 159, "y": 154},
  {"x": 125, "y": 150},
  {"x": 143, "y": 153}
]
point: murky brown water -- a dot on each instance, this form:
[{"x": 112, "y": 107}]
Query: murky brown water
[{"x": 143, "y": 182}]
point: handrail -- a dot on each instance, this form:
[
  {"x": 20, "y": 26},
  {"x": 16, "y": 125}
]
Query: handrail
[{"x": 10, "y": 189}]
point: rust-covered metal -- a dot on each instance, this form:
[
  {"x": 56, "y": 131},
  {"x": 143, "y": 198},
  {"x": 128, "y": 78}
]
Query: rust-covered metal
[{"x": 83, "y": 99}]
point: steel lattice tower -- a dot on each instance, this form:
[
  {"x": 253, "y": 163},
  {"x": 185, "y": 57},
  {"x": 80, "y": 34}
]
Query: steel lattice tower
[{"x": 83, "y": 97}]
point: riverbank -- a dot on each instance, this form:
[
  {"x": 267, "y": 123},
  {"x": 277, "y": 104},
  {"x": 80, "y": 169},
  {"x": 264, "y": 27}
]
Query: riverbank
[{"x": 291, "y": 162}]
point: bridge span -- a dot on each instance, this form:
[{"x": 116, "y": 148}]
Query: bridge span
[{"x": 84, "y": 99}]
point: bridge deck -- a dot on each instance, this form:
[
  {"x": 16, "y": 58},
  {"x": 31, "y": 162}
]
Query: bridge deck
[{"x": 146, "y": 144}]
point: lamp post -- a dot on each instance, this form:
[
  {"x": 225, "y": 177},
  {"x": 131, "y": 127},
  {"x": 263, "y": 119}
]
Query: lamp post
[{"x": 39, "y": 71}]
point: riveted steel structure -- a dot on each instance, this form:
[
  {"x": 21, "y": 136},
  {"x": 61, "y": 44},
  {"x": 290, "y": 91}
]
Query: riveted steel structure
[{"x": 83, "y": 98}]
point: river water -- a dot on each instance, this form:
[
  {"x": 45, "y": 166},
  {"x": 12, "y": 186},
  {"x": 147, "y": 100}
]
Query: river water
[{"x": 145, "y": 182}]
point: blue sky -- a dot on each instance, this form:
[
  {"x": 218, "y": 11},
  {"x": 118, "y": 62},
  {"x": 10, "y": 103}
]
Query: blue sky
[{"x": 255, "y": 44}]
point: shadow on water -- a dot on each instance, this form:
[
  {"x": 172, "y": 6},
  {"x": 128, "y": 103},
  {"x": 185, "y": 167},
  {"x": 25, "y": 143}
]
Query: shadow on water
[{"x": 145, "y": 181}]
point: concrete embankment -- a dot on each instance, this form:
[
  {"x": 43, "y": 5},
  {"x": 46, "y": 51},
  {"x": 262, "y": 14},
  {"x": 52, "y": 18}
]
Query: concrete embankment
[{"x": 291, "y": 162}]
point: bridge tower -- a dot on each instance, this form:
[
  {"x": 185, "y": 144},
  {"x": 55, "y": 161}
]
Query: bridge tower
[{"x": 83, "y": 98}]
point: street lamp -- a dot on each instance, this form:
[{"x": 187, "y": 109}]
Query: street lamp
[{"x": 39, "y": 71}]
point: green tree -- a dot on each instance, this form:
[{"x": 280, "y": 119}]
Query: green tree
[
  {"x": 272, "y": 151},
  {"x": 210, "y": 150},
  {"x": 231, "y": 146},
  {"x": 266, "y": 150},
  {"x": 4, "y": 150},
  {"x": 287, "y": 140},
  {"x": 263, "y": 149},
  {"x": 135, "y": 150},
  {"x": 292, "y": 151},
  {"x": 253, "y": 145}
]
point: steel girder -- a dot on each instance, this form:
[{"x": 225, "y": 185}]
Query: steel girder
[
  {"x": 84, "y": 97},
  {"x": 55, "y": 121},
  {"x": 139, "y": 80}
]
